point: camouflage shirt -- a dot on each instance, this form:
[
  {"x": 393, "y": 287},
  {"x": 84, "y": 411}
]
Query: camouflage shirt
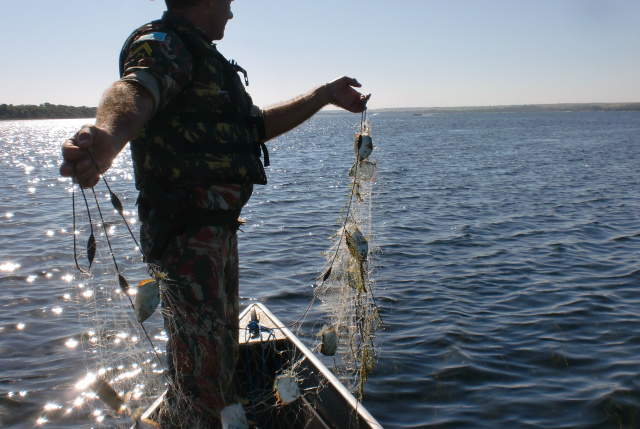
[{"x": 181, "y": 143}]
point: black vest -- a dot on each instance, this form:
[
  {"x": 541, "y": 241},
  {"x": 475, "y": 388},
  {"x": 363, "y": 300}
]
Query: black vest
[{"x": 205, "y": 134}]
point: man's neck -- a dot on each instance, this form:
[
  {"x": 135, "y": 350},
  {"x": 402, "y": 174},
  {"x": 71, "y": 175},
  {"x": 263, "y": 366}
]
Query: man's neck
[{"x": 197, "y": 15}]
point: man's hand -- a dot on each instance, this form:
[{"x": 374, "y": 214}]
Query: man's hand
[
  {"x": 75, "y": 152},
  {"x": 343, "y": 94},
  {"x": 286, "y": 116}
]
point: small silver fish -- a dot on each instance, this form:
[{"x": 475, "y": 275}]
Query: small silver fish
[
  {"x": 147, "y": 299},
  {"x": 362, "y": 146},
  {"x": 287, "y": 389},
  {"x": 329, "y": 341},
  {"x": 357, "y": 244},
  {"x": 233, "y": 417},
  {"x": 363, "y": 170},
  {"x": 107, "y": 394}
]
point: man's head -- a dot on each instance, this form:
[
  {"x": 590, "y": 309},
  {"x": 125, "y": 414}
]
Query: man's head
[
  {"x": 210, "y": 15},
  {"x": 181, "y": 4}
]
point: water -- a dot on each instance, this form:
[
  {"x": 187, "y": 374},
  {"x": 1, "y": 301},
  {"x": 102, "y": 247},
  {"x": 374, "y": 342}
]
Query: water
[{"x": 507, "y": 277}]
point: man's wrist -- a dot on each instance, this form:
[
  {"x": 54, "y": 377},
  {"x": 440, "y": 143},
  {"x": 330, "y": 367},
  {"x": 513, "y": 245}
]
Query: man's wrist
[{"x": 332, "y": 97}]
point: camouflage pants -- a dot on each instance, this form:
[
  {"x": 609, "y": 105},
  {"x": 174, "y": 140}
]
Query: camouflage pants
[{"x": 201, "y": 308}]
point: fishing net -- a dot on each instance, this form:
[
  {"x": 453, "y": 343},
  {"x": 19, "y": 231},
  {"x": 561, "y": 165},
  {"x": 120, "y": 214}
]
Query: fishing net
[
  {"x": 123, "y": 343},
  {"x": 124, "y": 360},
  {"x": 346, "y": 289}
]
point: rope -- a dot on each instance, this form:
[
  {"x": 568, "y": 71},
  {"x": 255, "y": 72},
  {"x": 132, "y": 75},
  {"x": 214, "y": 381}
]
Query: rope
[
  {"x": 91, "y": 243},
  {"x": 91, "y": 246}
]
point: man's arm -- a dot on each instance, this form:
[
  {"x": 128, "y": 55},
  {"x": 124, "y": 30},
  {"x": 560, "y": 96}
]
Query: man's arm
[
  {"x": 122, "y": 113},
  {"x": 285, "y": 117}
]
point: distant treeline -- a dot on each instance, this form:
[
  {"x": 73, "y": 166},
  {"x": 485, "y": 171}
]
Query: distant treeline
[
  {"x": 58, "y": 111},
  {"x": 45, "y": 111},
  {"x": 524, "y": 108}
]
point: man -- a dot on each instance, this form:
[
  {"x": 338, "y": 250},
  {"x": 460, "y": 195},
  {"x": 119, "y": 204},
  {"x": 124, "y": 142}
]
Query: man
[{"x": 196, "y": 140}]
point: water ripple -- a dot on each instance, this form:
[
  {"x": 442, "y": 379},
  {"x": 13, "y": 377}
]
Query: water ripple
[{"x": 507, "y": 276}]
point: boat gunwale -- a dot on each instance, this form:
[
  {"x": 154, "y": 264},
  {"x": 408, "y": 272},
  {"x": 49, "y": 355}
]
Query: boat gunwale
[{"x": 351, "y": 401}]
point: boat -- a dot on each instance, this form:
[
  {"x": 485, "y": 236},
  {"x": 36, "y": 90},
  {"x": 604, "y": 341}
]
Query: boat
[{"x": 271, "y": 353}]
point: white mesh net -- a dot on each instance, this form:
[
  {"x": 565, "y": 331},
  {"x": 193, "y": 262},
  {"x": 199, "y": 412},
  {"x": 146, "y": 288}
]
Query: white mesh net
[
  {"x": 126, "y": 360},
  {"x": 346, "y": 288}
]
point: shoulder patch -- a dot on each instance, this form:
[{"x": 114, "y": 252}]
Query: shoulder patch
[
  {"x": 144, "y": 47},
  {"x": 159, "y": 37}
]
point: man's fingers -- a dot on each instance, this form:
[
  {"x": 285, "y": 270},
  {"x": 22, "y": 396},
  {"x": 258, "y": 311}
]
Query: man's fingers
[
  {"x": 87, "y": 177},
  {"x": 84, "y": 138},
  {"x": 353, "y": 82},
  {"x": 78, "y": 155},
  {"x": 346, "y": 81},
  {"x": 66, "y": 169},
  {"x": 71, "y": 152},
  {"x": 88, "y": 181},
  {"x": 76, "y": 160}
]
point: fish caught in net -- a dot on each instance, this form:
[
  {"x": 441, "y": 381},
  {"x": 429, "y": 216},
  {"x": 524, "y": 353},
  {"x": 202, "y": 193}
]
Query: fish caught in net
[
  {"x": 278, "y": 381},
  {"x": 346, "y": 289}
]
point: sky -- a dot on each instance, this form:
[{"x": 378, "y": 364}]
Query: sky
[{"x": 406, "y": 53}]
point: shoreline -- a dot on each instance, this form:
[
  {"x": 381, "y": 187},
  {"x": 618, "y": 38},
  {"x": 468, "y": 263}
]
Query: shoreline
[
  {"x": 518, "y": 108},
  {"x": 29, "y": 112}
]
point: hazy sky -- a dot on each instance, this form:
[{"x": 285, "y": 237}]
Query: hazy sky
[{"x": 407, "y": 53}]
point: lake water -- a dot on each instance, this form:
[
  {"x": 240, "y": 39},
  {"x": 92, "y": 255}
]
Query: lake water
[{"x": 508, "y": 270}]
